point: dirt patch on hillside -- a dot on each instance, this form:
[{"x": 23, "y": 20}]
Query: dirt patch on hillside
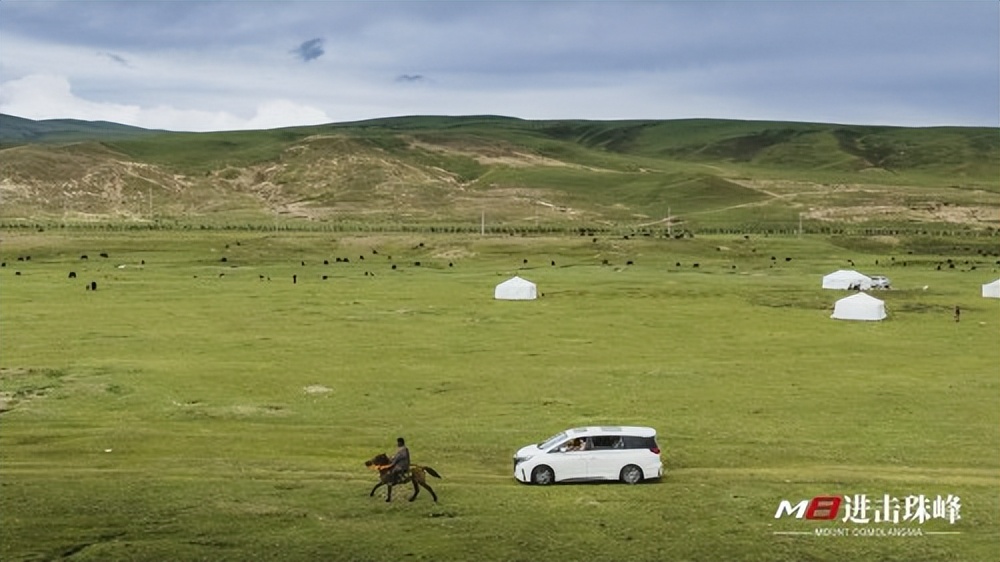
[
  {"x": 856, "y": 203},
  {"x": 503, "y": 156},
  {"x": 12, "y": 190},
  {"x": 780, "y": 188},
  {"x": 931, "y": 213},
  {"x": 495, "y": 155},
  {"x": 302, "y": 210}
]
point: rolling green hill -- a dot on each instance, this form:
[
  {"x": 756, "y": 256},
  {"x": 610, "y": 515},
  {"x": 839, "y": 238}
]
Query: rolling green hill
[
  {"x": 16, "y": 130},
  {"x": 427, "y": 170}
]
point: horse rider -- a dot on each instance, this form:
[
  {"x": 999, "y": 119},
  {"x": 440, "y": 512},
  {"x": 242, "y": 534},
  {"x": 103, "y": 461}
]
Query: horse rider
[{"x": 400, "y": 461}]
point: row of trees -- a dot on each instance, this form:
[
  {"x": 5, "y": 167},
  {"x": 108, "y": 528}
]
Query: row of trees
[{"x": 776, "y": 229}]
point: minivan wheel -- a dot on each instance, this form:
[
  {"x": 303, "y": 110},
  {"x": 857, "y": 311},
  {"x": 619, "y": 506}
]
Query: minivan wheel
[
  {"x": 631, "y": 474},
  {"x": 543, "y": 475}
]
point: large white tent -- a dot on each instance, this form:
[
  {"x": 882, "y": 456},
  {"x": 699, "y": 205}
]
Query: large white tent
[
  {"x": 861, "y": 306},
  {"x": 847, "y": 279},
  {"x": 992, "y": 290},
  {"x": 516, "y": 289}
]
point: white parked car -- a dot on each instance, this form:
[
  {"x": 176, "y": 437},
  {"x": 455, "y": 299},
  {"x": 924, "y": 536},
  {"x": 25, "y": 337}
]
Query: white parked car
[
  {"x": 880, "y": 282},
  {"x": 625, "y": 453}
]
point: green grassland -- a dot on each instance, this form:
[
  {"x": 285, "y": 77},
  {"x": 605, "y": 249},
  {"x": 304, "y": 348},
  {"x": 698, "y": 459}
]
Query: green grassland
[{"x": 199, "y": 405}]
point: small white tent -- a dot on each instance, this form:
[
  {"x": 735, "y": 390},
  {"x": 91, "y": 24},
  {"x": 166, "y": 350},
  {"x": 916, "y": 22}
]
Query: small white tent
[
  {"x": 861, "y": 306},
  {"x": 516, "y": 289},
  {"x": 847, "y": 279},
  {"x": 992, "y": 290}
]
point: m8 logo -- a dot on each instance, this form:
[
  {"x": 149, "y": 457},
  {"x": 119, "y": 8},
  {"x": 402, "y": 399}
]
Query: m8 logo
[{"x": 822, "y": 508}]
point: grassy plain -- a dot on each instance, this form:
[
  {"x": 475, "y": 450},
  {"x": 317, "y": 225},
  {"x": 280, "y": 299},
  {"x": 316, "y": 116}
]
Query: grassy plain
[{"x": 198, "y": 409}]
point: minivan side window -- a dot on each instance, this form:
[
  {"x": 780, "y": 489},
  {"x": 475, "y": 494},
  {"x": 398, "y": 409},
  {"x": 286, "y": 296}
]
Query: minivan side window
[
  {"x": 607, "y": 442},
  {"x": 633, "y": 442},
  {"x": 575, "y": 444}
]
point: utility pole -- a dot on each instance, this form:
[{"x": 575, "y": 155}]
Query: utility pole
[
  {"x": 482, "y": 223},
  {"x": 669, "y": 220}
]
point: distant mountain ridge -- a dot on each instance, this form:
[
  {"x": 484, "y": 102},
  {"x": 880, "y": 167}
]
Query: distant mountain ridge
[
  {"x": 18, "y": 130},
  {"x": 435, "y": 169}
]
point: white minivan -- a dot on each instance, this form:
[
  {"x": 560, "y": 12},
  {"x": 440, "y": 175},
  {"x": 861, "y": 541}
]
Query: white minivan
[{"x": 625, "y": 453}]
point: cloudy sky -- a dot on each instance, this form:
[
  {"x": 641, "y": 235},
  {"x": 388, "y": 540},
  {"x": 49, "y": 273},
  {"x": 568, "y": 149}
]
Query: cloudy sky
[{"x": 197, "y": 66}]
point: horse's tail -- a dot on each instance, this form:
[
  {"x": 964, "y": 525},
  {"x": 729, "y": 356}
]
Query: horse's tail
[{"x": 432, "y": 472}]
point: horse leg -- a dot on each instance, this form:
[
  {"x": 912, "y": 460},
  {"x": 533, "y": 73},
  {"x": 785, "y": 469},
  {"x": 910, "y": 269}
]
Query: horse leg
[
  {"x": 375, "y": 488},
  {"x": 416, "y": 490},
  {"x": 431, "y": 490},
  {"x": 388, "y": 492}
]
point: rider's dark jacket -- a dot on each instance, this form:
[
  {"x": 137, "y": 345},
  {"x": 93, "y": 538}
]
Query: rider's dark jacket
[{"x": 401, "y": 460}]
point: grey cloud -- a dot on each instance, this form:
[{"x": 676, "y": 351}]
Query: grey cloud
[
  {"x": 116, "y": 58},
  {"x": 410, "y": 78},
  {"x": 310, "y": 50}
]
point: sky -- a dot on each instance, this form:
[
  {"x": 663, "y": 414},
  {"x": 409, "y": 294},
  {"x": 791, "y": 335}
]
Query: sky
[{"x": 232, "y": 65}]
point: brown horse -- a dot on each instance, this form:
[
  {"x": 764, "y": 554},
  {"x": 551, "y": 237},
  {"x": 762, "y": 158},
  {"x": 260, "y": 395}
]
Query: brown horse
[{"x": 416, "y": 474}]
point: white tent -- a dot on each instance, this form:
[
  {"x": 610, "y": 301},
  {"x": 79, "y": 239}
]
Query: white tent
[
  {"x": 861, "y": 306},
  {"x": 847, "y": 279},
  {"x": 992, "y": 290},
  {"x": 516, "y": 289}
]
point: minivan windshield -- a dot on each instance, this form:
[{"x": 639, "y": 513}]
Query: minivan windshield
[{"x": 552, "y": 441}]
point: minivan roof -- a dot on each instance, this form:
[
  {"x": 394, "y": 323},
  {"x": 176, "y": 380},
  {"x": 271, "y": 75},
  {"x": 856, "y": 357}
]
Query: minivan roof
[{"x": 637, "y": 431}]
